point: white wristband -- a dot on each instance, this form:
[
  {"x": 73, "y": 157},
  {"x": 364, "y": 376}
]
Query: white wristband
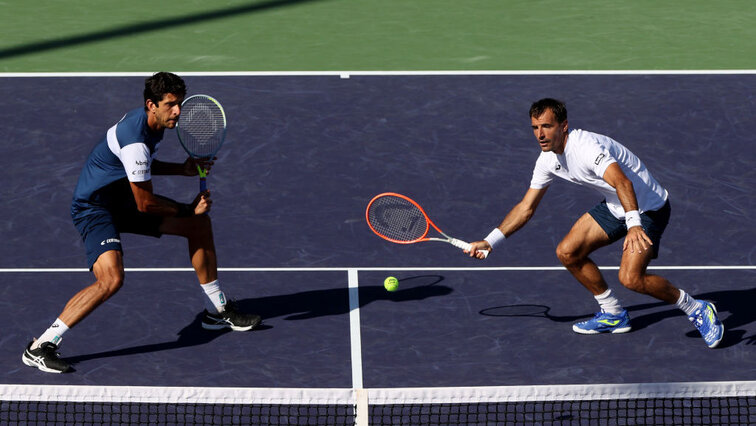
[
  {"x": 495, "y": 238},
  {"x": 632, "y": 218}
]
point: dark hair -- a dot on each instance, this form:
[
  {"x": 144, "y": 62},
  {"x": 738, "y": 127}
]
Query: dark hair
[
  {"x": 162, "y": 83},
  {"x": 557, "y": 107}
]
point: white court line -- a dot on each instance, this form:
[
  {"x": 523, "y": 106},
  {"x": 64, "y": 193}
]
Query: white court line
[
  {"x": 355, "y": 343},
  {"x": 391, "y": 268},
  {"x": 354, "y": 328},
  {"x": 348, "y": 74}
]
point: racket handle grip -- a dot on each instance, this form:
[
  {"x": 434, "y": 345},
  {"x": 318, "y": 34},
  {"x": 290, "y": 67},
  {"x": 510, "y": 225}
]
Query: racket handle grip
[
  {"x": 466, "y": 246},
  {"x": 203, "y": 184}
]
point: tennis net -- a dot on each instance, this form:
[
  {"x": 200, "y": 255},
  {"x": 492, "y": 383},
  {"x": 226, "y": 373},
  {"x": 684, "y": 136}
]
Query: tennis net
[{"x": 710, "y": 403}]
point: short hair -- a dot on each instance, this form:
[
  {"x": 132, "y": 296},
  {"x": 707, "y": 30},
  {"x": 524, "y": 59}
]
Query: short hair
[
  {"x": 557, "y": 107},
  {"x": 160, "y": 84}
]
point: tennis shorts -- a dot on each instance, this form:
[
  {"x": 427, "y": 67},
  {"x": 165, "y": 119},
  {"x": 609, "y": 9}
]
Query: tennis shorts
[
  {"x": 653, "y": 222},
  {"x": 101, "y": 226}
]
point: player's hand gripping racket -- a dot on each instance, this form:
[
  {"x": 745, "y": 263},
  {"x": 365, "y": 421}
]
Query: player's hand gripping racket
[
  {"x": 201, "y": 130},
  {"x": 399, "y": 219}
]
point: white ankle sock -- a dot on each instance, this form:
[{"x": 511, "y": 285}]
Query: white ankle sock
[
  {"x": 54, "y": 334},
  {"x": 688, "y": 304},
  {"x": 216, "y": 299},
  {"x": 609, "y": 303}
]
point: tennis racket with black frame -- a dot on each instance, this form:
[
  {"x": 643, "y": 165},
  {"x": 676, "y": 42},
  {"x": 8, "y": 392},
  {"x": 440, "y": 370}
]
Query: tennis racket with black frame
[
  {"x": 399, "y": 219},
  {"x": 201, "y": 129}
]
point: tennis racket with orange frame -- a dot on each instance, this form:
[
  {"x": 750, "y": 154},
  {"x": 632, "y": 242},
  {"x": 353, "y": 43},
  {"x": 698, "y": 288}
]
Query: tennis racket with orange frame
[{"x": 399, "y": 219}]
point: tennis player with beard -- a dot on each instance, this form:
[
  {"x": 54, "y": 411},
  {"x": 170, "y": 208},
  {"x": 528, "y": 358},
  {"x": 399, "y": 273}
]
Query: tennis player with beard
[
  {"x": 635, "y": 207},
  {"x": 114, "y": 195}
]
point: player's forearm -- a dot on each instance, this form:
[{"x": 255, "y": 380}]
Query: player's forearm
[
  {"x": 148, "y": 202},
  {"x": 617, "y": 179},
  {"x": 161, "y": 207},
  {"x": 516, "y": 219},
  {"x": 165, "y": 168},
  {"x": 626, "y": 195}
]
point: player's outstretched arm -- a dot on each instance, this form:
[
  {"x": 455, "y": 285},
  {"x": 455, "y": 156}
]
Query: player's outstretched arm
[{"x": 513, "y": 221}]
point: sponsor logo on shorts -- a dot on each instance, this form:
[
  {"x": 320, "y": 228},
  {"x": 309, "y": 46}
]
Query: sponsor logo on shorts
[
  {"x": 558, "y": 167},
  {"x": 110, "y": 241}
]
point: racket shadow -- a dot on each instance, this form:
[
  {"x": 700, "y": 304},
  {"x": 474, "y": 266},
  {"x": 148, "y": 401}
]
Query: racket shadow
[
  {"x": 734, "y": 308},
  {"x": 528, "y": 310}
]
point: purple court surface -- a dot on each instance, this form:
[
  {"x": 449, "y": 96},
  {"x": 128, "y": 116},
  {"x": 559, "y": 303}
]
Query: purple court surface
[{"x": 304, "y": 155}]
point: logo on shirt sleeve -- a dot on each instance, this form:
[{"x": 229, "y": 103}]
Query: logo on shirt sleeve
[
  {"x": 110, "y": 241},
  {"x": 599, "y": 158}
]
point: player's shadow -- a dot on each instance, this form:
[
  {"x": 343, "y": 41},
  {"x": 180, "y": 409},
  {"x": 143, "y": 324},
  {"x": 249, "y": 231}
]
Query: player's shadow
[
  {"x": 294, "y": 307},
  {"x": 319, "y": 303},
  {"x": 735, "y": 308}
]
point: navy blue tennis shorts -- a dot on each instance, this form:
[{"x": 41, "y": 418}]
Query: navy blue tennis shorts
[
  {"x": 101, "y": 227},
  {"x": 653, "y": 222}
]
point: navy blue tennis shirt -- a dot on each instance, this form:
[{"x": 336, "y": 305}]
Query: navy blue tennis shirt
[{"x": 126, "y": 151}]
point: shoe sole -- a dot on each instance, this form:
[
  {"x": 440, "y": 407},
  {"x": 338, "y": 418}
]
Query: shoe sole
[
  {"x": 620, "y": 330},
  {"x": 232, "y": 327},
  {"x": 38, "y": 366},
  {"x": 715, "y": 344}
]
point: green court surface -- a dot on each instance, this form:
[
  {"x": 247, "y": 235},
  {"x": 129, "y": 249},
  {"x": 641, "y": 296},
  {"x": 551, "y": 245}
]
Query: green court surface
[{"x": 359, "y": 35}]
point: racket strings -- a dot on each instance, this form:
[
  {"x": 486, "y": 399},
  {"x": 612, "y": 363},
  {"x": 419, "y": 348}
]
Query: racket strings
[
  {"x": 397, "y": 219},
  {"x": 201, "y": 126}
]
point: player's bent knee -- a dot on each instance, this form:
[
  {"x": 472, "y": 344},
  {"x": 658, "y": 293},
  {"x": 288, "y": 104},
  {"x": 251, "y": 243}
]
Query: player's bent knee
[
  {"x": 203, "y": 220},
  {"x": 191, "y": 227},
  {"x": 565, "y": 255},
  {"x": 201, "y": 226},
  {"x": 109, "y": 284},
  {"x": 632, "y": 281}
]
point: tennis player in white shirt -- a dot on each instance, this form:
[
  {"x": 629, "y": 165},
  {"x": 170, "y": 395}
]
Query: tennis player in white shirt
[{"x": 635, "y": 207}]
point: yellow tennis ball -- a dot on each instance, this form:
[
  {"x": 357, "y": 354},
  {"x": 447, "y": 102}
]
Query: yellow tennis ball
[{"x": 391, "y": 284}]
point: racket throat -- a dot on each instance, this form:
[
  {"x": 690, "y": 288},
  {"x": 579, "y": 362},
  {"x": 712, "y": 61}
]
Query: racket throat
[{"x": 203, "y": 178}]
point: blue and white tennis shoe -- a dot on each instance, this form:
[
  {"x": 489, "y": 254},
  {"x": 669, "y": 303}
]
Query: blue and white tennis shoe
[
  {"x": 604, "y": 322},
  {"x": 708, "y": 324}
]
